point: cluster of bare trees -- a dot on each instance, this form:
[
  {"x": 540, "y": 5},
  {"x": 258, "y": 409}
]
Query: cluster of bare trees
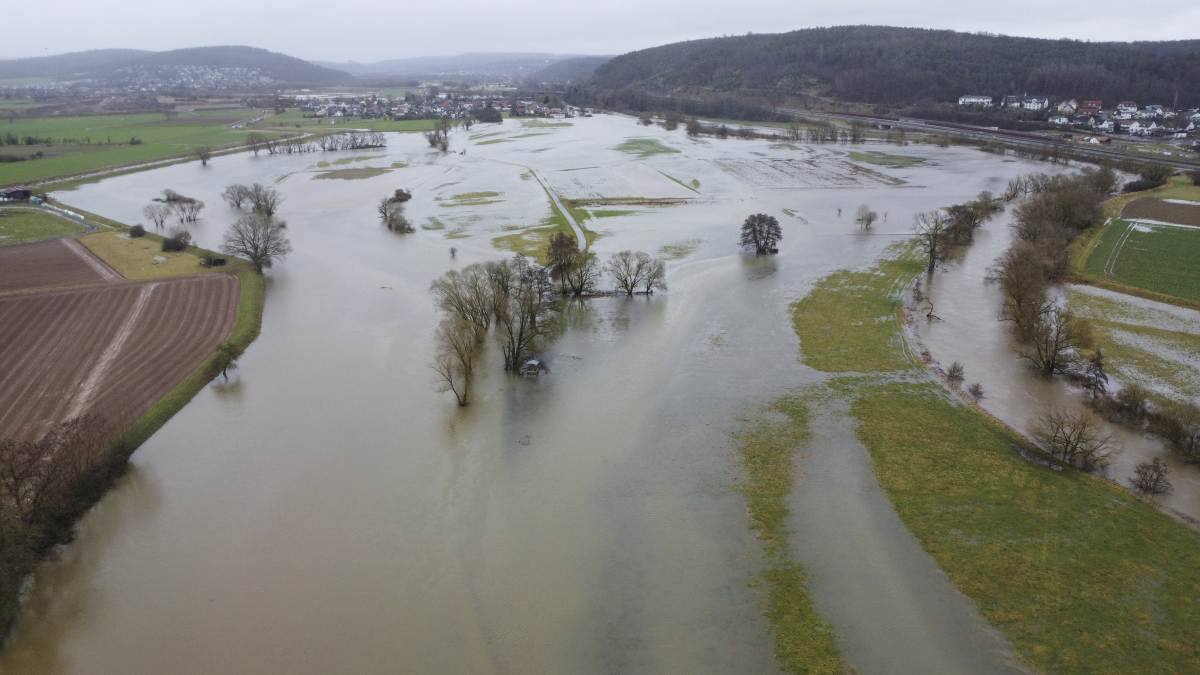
[
  {"x": 941, "y": 231},
  {"x": 761, "y": 233},
  {"x": 865, "y": 216},
  {"x": 173, "y": 204},
  {"x": 45, "y": 485},
  {"x": 391, "y": 211},
  {"x": 634, "y": 270},
  {"x": 1060, "y": 209},
  {"x": 352, "y": 140},
  {"x": 264, "y": 200},
  {"x": 511, "y": 299},
  {"x": 439, "y": 136},
  {"x": 1074, "y": 436}
]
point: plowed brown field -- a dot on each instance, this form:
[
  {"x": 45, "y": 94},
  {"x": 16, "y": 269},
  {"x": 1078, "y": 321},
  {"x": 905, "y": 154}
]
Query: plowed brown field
[
  {"x": 51, "y": 264},
  {"x": 1163, "y": 211},
  {"x": 112, "y": 348}
]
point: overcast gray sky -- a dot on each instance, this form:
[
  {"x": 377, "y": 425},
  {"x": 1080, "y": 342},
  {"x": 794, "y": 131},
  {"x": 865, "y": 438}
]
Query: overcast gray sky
[{"x": 372, "y": 30}]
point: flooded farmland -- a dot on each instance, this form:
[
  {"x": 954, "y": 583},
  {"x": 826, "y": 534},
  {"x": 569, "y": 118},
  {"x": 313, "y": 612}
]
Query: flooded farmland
[{"x": 326, "y": 510}]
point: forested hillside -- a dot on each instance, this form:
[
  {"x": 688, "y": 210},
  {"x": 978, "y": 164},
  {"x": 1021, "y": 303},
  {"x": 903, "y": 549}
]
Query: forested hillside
[{"x": 883, "y": 65}]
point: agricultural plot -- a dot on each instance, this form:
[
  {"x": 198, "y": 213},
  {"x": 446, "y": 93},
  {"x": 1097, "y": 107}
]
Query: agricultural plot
[
  {"x": 113, "y": 349},
  {"x": 1178, "y": 211},
  {"x": 821, "y": 171},
  {"x": 80, "y": 144},
  {"x": 51, "y": 264},
  {"x": 1156, "y": 257},
  {"x": 20, "y": 225}
]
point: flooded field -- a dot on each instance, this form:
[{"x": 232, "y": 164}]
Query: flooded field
[{"x": 325, "y": 510}]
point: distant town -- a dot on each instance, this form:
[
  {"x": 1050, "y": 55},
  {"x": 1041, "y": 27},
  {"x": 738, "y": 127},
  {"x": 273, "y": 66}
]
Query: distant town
[{"x": 1126, "y": 117}]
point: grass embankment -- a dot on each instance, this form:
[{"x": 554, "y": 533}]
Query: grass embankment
[
  {"x": 82, "y": 144},
  {"x": 137, "y": 258},
  {"x": 803, "y": 642},
  {"x": 1079, "y": 574},
  {"x": 1153, "y": 261},
  {"x": 24, "y": 224}
]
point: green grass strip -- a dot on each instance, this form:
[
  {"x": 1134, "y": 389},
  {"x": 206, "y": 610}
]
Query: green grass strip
[
  {"x": 848, "y": 322},
  {"x": 767, "y": 445},
  {"x": 1081, "y": 576}
]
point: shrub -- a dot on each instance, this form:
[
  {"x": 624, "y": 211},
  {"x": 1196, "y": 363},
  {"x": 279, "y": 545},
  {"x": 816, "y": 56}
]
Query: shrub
[
  {"x": 1151, "y": 477},
  {"x": 137, "y": 231},
  {"x": 1143, "y": 184},
  {"x": 178, "y": 239}
]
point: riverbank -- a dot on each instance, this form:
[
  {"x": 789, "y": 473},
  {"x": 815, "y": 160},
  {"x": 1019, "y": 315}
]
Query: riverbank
[
  {"x": 1080, "y": 575},
  {"x": 117, "y": 439}
]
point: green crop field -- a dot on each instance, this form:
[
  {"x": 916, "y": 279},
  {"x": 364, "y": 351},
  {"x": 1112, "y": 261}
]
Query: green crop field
[
  {"x": 1158, "y": 258},
  {"x": 289, "y": 120},
  {"x": 644, "y": 147},
  {"x": 79, "y": 144},
  {"x": 22, "y": 224}
]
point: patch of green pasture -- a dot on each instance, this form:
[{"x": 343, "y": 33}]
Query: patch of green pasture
[
  {"x": 530, "y": 135},
  {"x": 538, "y": 124},
  {"x": 767, "y": 443},
  {"x": 1079, "y": 574},
  {"x": 19, "y": 104},
  {"x": 848, "y": 322},
  {"x": 351, "y": 174},
  {"x": 289, "y": 120},
  {"x": 615, "y": 213},
  {"x": 110, "y": 143},
  {"x": 689, "y": 187},
  {"x": 493, "y": 141},
  {"x": 433, "y": 224},
  {"x": 890, "y": 161},
  {"x": 1158, "y": 258},
  {"x": 477, "y": 136},
  {"x": 20, "y": 225},
  {"x": 680, "y": 249},
  {"x": 532, "y": 241},
  {"x": 644, "y": 147}
]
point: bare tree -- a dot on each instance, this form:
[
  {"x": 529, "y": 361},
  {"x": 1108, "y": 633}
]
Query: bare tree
[
  {"x": 157, "y": 213},
  {"x": 1074, "y": 436},
  {"x": 187, "y": 209},
  {"x": 523, "y": 320},
  {"x": 466, "y": 295},
  {"x": 628, "y": 269},
  {"x": 761, "y": 233},
  {"x": 204, "y": 154},
  {"x": 258, "y": 238},
  {"x": 1051, "y": 346},
  {"x": 265, "y": 200},
  {"x": 583, "y": 274},
  {"x": 439, "y": 136},
  {"x": 865, "y": 216},
  {"x": 256, "y": 141},
  {"x": 929, "y": 228},
  {"x": 458, "y": 347},
  {"x": 1151, "y": 477},
  {"x": 392, "y": 214},
  {"x": 561, "y": 251},
  {"x": 956, "y": 373},
  {"x": 236, "y": 195},
  {"x": 655, "y": 277}
]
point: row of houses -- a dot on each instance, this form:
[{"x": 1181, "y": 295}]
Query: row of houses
[
  {"x": 1126, "y": 117},
  {"x": 439, "y": 106}
]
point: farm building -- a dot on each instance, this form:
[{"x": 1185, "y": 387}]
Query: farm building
[{"x": 16, "y": 193}]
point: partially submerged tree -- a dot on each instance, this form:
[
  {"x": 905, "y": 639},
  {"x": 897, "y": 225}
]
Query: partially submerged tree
[
  {"x": 929, "y": 228},
  {"x": 235, "y": 195},
  {"x": 458, "y": 347},
  {"x": 561, "y": 251},
  {"x": 264, "y": 200},
  {"x": 157, "y": 213},
  {"x": 256, "y": 141},
  {"x": 761, "y": 233},
  {"x": 1151, "y": 477},
  {"x": 258, "y": 238},
  {"x": 204, "y": 154},
  {"x": 1074, "y": 436},
  {"x": 1056, "y": 333},
  {"x": 582, "y": 274},
  {"x": 865, "y": 216},
  {"x": 392, "y": 214}
]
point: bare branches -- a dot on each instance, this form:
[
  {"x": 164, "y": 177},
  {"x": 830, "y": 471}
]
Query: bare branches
[
  {"x": 258, "y": 238},
  {"x": 1151, "y": 478},
  {"x": 865, "y": 216},
  {"x": 157, "y": 213},
  {"x": 264, "y": 200},
  {"x": 929, "y": 228},
  {"x": 1074, "y": 436},
  {"x": 235, "y": 195}
]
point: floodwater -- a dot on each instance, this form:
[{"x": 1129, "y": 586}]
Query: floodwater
[
  {"x": 326, "y": 510},
  {"x": 967, "y": 331}
]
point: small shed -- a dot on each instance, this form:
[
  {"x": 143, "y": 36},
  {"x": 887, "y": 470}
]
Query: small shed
[{"x": 17, "y": 193}]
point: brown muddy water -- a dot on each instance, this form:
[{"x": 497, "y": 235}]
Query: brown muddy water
[
  {"x": 325, "y": 510},
  {"x": 968, "y": 332}
]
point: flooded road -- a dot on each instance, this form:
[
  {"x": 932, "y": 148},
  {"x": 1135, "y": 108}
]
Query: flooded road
[
  {"x": 968, "y": 332},
  {"x": 325, "y": 510}
]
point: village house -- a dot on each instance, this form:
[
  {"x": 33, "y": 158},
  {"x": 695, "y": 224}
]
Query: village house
[{"x": 971, "y": 99}]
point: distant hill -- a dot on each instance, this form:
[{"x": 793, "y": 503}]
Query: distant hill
[
  {"x": 104, "y": 63},
  {"x": 570, "y": 70},
  {"x": 883, "y": 65},
  {"x": 498, "y": 64}
]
